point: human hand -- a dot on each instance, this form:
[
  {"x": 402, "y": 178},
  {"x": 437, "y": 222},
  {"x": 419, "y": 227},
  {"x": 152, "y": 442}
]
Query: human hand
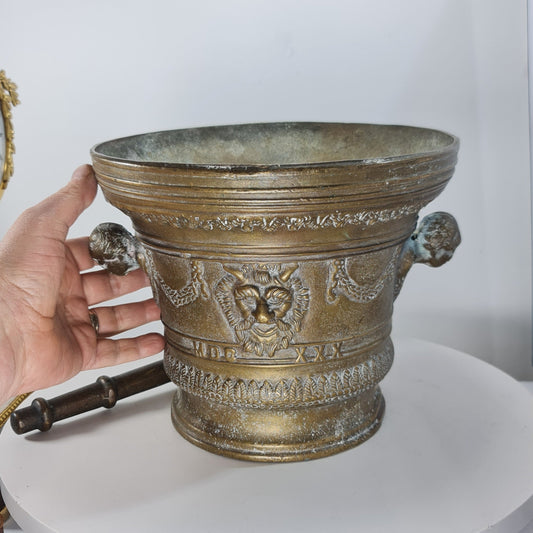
[{"x": 46, "y": 334}]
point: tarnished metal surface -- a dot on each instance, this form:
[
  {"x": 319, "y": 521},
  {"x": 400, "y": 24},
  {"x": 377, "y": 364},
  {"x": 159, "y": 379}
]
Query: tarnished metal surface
[{"x": 275, "y": 252}]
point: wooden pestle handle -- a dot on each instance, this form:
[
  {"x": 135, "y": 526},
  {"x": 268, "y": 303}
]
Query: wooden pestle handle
[{"x": 105, "y": 392}]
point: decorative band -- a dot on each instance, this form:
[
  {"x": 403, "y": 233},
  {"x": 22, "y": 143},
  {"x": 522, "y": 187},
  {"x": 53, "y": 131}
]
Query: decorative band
[
  {"x": 315, "y": 389},
  {"x": 274, "y": 223}
]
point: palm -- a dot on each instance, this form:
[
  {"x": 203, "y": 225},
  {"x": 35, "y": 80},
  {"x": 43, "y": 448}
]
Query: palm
[
  {"x": 50, "y": 336},
  {"x": 71, "y": 343}
]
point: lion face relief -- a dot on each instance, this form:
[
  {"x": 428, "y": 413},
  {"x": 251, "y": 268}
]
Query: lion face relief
[{"x": 264, "y": 304}]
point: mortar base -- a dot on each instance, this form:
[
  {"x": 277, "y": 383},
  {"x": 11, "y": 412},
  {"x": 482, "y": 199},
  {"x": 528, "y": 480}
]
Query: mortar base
[{"x": 274, "y": 435}]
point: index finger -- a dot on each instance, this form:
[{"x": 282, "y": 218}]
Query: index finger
[{"x": 79, "y": 247}]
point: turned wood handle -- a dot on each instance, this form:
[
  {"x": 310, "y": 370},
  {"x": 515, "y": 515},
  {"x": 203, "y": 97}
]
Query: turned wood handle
[{"x": 105, "y": 392}]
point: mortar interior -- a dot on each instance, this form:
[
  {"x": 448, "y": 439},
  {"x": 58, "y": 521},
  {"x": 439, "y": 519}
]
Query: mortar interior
[{"x": 275, "y": 144}]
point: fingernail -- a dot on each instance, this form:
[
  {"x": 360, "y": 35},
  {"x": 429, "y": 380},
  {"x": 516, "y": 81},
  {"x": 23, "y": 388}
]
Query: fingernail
[{"x": 81, "y": 173}]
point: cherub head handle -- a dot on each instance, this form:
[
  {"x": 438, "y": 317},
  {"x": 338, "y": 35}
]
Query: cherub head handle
[
  {"x": 433, "y": 243},
  {"x": 115, "y": 248}
]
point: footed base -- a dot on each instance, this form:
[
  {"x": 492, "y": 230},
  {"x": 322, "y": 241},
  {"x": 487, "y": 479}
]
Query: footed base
[{"x": 274, "y": 435}]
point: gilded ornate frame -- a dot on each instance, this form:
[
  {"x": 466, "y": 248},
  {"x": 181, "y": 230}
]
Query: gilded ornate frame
[{"x": 8, "y": 99}]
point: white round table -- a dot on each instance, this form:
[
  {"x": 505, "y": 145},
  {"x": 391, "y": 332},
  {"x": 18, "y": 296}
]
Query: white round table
[{"x": 454, "y": 454}]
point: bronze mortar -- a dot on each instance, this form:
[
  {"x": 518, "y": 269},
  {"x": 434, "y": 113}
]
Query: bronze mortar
[{"x": 275, "y": 252}]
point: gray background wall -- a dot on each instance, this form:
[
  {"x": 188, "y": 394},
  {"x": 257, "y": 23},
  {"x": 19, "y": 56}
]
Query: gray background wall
[{"x": 91, "y": 71}]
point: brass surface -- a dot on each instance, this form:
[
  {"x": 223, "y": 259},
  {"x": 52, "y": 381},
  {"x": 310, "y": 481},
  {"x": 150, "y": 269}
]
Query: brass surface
[{"x": 275, "y": 252}]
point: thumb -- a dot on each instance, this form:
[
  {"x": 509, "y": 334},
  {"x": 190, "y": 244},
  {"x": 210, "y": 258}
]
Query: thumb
[{"x": 67, "y": 204}]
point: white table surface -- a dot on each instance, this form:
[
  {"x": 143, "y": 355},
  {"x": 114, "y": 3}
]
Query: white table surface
[{"x": 454, "y": 454}]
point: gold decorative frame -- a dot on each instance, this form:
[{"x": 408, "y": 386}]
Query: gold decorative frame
[{"x": 8, "y": 99}]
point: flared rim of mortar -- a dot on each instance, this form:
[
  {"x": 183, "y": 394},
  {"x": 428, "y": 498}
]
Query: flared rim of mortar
[{"x": 276, "y": 145}]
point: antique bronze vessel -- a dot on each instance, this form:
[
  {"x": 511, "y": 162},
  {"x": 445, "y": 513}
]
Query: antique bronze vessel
[{"x": 275, "y": 252}]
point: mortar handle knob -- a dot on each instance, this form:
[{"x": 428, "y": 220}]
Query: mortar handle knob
[
  {"x": 432, "y": 243},
  {"x": 116, "y": 249}
]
